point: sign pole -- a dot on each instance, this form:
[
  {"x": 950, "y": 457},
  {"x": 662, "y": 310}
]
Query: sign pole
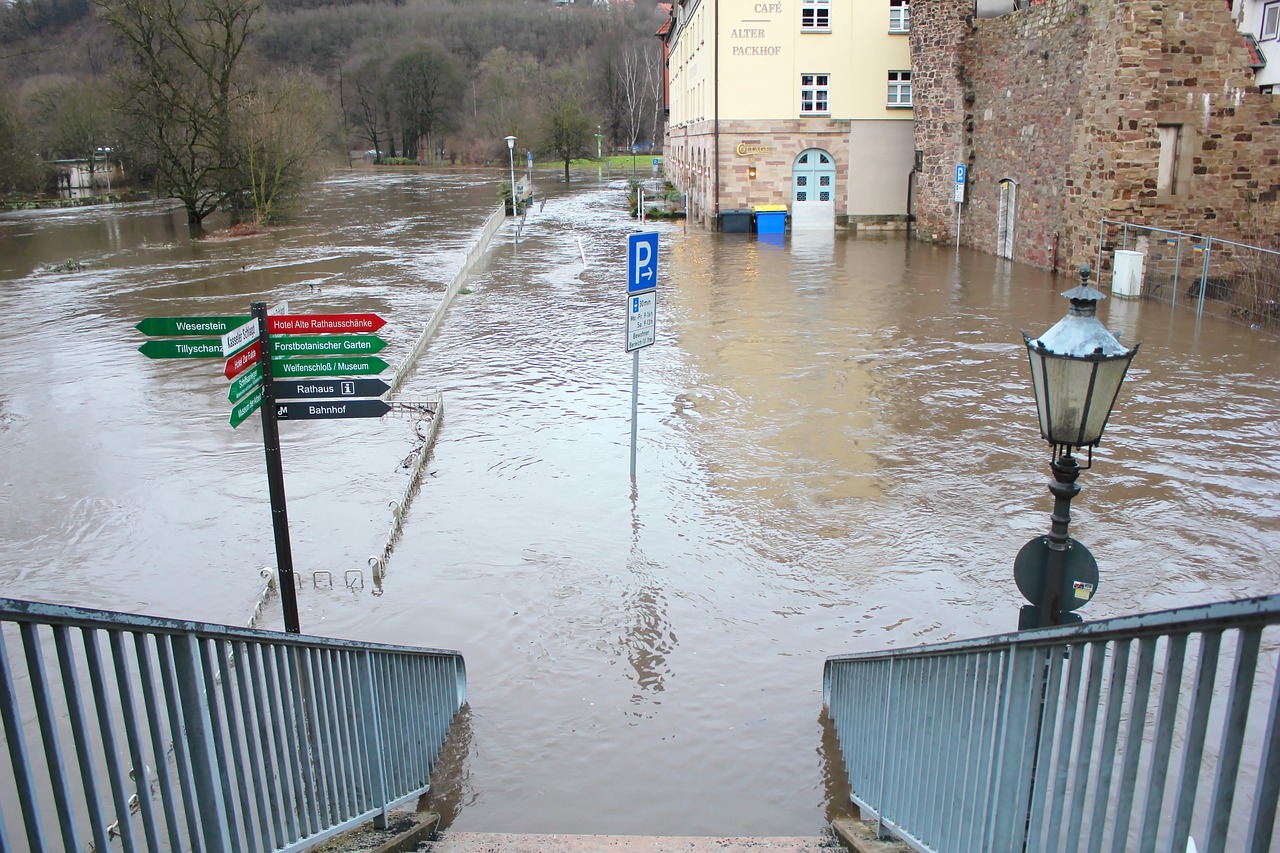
[
  {"x": 635, "y": 400},
  {"x": 957, "y": 226},
  {"x": 275, "y": 479},
  {"x": 642, "y": 307}
]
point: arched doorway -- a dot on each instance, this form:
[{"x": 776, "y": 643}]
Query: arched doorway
[
  {"x": 1006, "y": 216},
  {"x": 813, "y": 190}
]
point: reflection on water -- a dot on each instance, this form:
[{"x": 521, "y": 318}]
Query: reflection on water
[{"x": 837, "y": 452}]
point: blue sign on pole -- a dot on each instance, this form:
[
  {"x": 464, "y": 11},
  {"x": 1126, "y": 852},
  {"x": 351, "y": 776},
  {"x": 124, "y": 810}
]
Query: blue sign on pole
[
  {"x": 642, "y": 262},
  {"x": 960, "y": 170}
]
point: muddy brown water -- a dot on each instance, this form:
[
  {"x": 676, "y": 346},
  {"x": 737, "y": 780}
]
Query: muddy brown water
[{"x": 837, "y": 452}]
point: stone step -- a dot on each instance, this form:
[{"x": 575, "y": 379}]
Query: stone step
[{"x": 489, "y": 842}]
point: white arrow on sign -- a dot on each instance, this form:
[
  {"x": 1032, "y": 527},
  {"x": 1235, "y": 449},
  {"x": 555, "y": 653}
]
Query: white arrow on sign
[{"x": 642, "y": 261}]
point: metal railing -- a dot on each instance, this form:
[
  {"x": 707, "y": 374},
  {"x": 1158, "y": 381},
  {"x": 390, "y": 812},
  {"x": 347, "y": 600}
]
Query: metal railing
[
  {"x": 1231, "y": 279},
  {"x": 156, "y": 734},
  {"x": 1134, "y": 733}
]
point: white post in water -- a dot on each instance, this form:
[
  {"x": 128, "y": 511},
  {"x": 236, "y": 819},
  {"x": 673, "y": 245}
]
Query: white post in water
[{"x": 642, "y": 312}]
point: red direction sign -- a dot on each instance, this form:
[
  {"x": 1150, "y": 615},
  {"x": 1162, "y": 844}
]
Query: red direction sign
[
  {"x": 321, "y": 324},
  {"x": 243, "y": 360}
]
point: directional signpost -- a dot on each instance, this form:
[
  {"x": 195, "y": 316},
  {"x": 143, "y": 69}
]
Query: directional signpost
[
  {"x": 293, "y": 389},
  {"x": 240, "y": 361},
  {"x": 202, "y": 348},
  {"x": 172, "y": 327},
  {"x": 642, "y": 312},
  {"x": 245, "y": 382},
  {"x": 237, "y": 338},
  {"x": 323, "y": 409},
  {"x": 241, "y": 410},
  {"x": 265, "y": 362},
  {"x": 324, "y": 324},
  {"x": 284, "y": 345},
  {"x": 336, "y": 366}
]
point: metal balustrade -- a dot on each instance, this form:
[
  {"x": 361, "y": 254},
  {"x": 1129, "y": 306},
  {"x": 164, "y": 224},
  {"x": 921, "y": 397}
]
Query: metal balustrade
[
  {"x": 1130, "y": 734},
  {"x": 136, "y": 733}
]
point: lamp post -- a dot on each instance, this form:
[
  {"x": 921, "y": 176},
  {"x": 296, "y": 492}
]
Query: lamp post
[
  {"x": 1077, "y": 368},
  {"x": 511, "y": 156}
]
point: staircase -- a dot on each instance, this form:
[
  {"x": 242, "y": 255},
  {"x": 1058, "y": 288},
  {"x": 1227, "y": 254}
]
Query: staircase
[
  {"x": 416, "y": 831},
  {"x": 485, "y": 842}
]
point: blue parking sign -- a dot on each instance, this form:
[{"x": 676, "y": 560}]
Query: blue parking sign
[{"x": 642, "y": 262}]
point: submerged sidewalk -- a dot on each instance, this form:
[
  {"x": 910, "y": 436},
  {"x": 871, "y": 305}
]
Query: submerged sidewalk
[{"x": 409, "y": 831}]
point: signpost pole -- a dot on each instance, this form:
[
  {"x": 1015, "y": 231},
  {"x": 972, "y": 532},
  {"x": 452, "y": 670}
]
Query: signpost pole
[
  {"x": 275, "y": 480},
  {"x": 635, "y": 406}
]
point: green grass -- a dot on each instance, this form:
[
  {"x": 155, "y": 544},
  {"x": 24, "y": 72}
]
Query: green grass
[{"x": 620, "y": 162}]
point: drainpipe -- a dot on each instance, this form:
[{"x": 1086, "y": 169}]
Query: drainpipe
[
  {"x": 716, "y": 107},
  {"x": 911, "y": 179}
]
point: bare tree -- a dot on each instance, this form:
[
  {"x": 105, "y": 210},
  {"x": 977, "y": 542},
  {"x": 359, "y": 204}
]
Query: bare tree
[
  {"x": 368, "y": 109},
  {"x": 284, "y": 129},
  {"x": 73, "y": 120},
  {"x": 427, "y": 91},
  {"x": 634, "y": 92},
  {"x": 656, "y": 80},
  {"x": 566, "y": 124},
  {"x": 19, "y": 163},
  {"x": 180, "y": 88}
]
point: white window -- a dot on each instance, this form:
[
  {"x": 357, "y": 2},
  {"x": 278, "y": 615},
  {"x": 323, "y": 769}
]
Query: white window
[
  {"x": 1270, "y": 21},
  {"x": 813, "y": 94},
  {"x": 899, "y": 16},
  {"x": 815, "y": 15},
  {"x": 899, "y": 89}
]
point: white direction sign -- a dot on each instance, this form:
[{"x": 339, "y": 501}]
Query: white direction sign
[
  {"x": 642, "y": 261},
  {"x": 234, "y": 340},
  {"x": 642, "y": 320}
]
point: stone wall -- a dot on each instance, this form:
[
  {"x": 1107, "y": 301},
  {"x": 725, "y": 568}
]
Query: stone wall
[
  {"x": 1066, "y": 98},
  {"x": 939, "y": 29}
]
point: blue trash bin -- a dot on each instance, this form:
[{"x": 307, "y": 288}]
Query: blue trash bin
[{"x": 771, "y": 218}]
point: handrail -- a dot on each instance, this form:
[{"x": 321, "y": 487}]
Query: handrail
[
  {"x": 175, "y": 735},
  {"x": 1065, "y": 738}
]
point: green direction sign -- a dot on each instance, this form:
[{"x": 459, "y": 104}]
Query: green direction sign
[
  {"x": 283, "y": 345},
  {"x": 175, "y": 327},
  {"x": 201, "y": 348},
  {"x": 336, "y": 366},
  {"x": 246, "y": 407},
  {"x": 245, "y": 382}
]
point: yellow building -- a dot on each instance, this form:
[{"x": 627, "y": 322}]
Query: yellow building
[{"x": 799, "y": 102}]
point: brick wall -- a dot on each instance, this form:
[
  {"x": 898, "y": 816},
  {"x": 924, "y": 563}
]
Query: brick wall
[{"x": 1067, "y": 97}]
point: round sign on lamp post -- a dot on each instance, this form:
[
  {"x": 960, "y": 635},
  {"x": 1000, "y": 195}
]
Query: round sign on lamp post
[{"x": 1077, "y": 368}]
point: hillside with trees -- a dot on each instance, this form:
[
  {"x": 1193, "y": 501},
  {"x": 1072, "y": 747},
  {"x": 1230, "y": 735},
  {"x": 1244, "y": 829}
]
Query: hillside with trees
[{"x": 238, "y": 105}]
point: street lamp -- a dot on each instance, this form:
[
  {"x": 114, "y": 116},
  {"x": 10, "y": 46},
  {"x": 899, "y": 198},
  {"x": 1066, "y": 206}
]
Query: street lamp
[
  {"x": 511, "y": 156},
  {"x": 1076, "y": 371}
]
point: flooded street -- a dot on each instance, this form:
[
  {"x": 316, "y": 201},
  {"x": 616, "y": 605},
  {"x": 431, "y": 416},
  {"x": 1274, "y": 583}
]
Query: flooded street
[{"x": 837, "y": 453}]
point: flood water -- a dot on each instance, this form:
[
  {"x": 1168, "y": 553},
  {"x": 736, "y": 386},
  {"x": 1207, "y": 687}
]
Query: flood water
[{"x": 837, "y": 452}]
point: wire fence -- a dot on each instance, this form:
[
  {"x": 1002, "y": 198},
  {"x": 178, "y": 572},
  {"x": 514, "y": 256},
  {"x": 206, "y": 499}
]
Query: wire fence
[{"x": 1219, "y": 277}]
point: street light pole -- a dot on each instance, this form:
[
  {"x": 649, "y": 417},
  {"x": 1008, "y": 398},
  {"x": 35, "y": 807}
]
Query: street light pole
[
  {"x": 1077, "y": 368},
  {"x": 511, "y": 156}
]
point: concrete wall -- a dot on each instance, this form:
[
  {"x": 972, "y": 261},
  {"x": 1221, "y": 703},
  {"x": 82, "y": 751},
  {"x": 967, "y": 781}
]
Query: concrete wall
[{"x": 882, "y": 154}]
